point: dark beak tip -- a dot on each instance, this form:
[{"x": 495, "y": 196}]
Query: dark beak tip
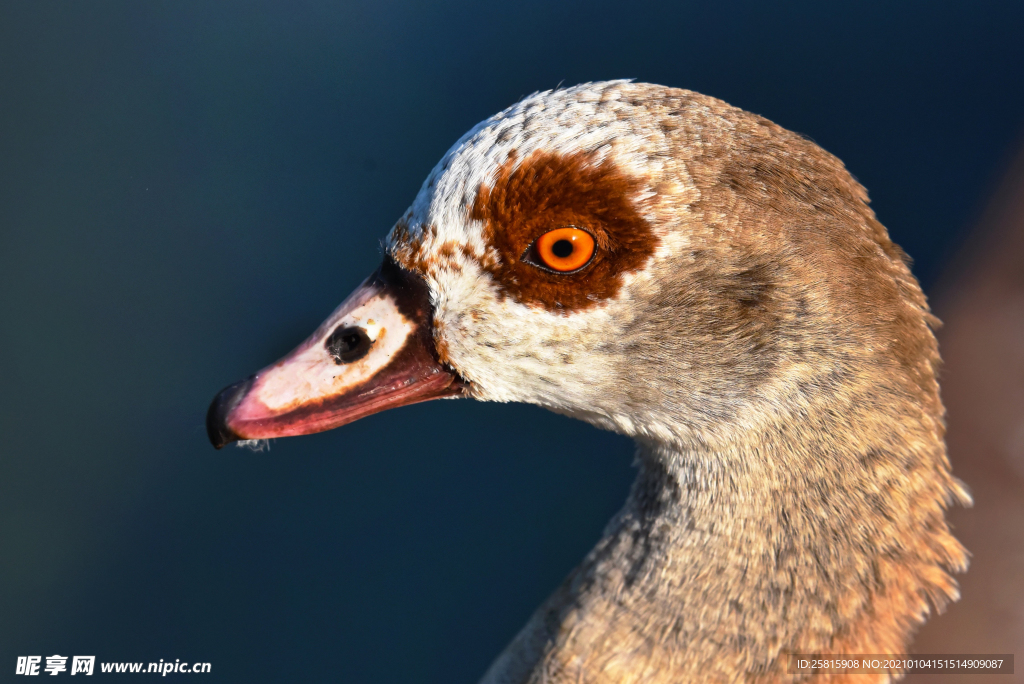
[{"x": 217, "y": 415}]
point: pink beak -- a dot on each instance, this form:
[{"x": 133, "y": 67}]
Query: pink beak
[{"x": 375, "y": 352}]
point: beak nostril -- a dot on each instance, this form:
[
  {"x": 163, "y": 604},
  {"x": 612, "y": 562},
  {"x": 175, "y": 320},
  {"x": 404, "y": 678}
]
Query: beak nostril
[{"x": 347, "y": 344}]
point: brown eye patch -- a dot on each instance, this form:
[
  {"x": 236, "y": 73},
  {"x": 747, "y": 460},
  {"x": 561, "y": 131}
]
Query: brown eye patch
[{"x": 547, "y": 191}]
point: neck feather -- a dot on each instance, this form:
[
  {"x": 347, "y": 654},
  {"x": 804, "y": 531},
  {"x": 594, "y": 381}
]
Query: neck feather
[{"x": 721, "y": 564}]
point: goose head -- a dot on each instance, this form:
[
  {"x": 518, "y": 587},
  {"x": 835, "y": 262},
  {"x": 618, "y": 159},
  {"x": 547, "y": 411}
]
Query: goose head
[{"x": 663, "y": 265}]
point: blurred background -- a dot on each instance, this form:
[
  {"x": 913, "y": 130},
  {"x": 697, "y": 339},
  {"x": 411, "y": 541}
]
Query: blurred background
[{"x": 188, "y": 188}]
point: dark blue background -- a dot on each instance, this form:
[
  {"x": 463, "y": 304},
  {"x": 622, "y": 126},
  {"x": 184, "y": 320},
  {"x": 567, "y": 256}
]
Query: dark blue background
[{"x": 188, "y": 188}]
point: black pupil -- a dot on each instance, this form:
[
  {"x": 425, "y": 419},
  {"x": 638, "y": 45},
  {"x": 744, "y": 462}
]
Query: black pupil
[
  {"x": 561, "y": 248},
  {"x": 348, "y": 344}
]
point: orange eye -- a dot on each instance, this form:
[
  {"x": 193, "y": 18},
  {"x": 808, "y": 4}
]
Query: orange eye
[{"x": 565, "y": 249}]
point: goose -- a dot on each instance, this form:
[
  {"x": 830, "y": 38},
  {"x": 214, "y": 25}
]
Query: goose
[{"x": 661, "y": 264}]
